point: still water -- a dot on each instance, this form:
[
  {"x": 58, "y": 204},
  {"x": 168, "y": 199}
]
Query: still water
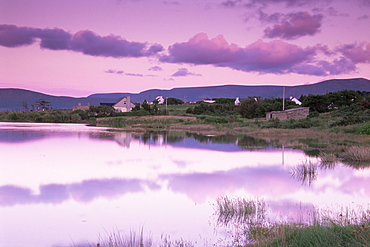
[{"x": 70, "y": 184}]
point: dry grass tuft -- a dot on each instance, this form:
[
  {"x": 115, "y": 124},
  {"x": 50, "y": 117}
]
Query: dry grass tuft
[
  {"x": 358, "y": 154},
  {"x": 328, "y": 160}
]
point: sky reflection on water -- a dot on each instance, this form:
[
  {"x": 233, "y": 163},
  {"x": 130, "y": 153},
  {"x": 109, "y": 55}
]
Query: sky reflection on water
[{"x": 73, "y": 182}]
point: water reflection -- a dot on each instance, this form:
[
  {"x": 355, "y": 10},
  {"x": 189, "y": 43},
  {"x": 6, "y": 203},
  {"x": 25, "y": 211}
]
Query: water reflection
[
  {"x": 86, "y": 191},
  {"x": 80, "y": 180},
  {"x": 306, "y": 172},
  {"x": 186, "y": 139}
]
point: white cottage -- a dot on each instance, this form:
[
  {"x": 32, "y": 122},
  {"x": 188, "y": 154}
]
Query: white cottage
[{"x": 124, "y": 105}]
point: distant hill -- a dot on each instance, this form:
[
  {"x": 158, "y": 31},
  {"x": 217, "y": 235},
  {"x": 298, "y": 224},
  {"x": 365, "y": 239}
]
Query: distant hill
[{"x": 11, "y": 99}]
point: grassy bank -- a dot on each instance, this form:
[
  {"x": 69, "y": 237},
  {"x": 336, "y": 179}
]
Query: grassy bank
[
  {"x": 317, "y": 135},
  {"x": 333, "y": 133}
]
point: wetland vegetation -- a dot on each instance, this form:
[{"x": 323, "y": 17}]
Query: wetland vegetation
[{"x": 251, "y": 225}]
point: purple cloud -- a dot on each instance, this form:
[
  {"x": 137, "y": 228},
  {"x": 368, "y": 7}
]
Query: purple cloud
[
  {"x": 325, "y": 68},
  {"x": 85, "y": 41},
  {"x": 363, "y": 17},
  {"x": 264, "y": 3},
  {"x": 201, "y": 50},
  {"x": 276, "y": 57},
  {"x": 295, "y": 25},
  {"x": 89, "y": 43},
  {"x": 133, "y": 74},
  {"x": 13, "y": 36},
  {"x": 155, "y": 68},
  {"x": 112, "y": 71},
  {"x": 184, "y": 72},
  {"x": 273, "y": 57},
  {"x": 357, "y": 53},
  {"x": 275, "y": 17},
  {"x": 171, "y": 3}
]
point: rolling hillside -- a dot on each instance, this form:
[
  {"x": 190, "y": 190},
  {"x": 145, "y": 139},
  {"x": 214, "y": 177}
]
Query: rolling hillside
[{"x": 11, "y": 99}]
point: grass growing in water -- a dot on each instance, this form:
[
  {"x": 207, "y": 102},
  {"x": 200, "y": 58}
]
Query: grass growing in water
[
  {"x": 135, "y": 239},
  {"x": 239, "y": 210},
  {"x": 326, "y": 228},
  {"x": 328, "y": 160}
]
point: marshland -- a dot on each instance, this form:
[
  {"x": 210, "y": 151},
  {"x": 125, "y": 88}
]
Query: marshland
[{"x": 186, "y": 179}]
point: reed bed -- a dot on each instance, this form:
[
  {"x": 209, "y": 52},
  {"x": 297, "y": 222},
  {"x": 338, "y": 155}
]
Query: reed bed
[
  {"x": 344, "y": 227},
  {"x": 239, "y": 210},
  {"x": 136, "y": 239},
  {"x": 328, "y": 160},
  {"x": 358, "y": 154}
]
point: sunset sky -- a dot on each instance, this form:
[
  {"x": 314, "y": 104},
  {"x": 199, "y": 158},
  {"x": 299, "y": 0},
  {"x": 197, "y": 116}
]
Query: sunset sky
[{"x": 77, "y": 47}]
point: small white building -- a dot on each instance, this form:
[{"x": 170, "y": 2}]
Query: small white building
[
  {"x": 160, "y": 100},
  {"x": 124, "y": 105},
  {"x": 237, "y": 101},
  {"x": 295, "y": 100}
]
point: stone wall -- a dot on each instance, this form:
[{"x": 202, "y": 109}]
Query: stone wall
[{"x": 295, "y": 113}]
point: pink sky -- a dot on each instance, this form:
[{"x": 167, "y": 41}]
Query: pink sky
[{"x": 76, "y": 48}]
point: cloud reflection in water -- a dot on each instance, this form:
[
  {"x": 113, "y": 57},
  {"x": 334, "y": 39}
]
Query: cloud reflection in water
[{"x": 85, "y": 191}]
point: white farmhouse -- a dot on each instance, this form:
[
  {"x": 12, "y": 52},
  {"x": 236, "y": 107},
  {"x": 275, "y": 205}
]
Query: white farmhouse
[{"x": 124, "y": 105}]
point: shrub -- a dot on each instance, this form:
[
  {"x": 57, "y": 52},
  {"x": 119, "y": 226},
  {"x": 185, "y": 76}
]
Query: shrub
[{"x": 313, "y": 114}]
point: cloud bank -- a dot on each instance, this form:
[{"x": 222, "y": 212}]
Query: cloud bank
[
  {"x": 86, "y": 42},
  {"x": 274, "y": 57},
  {"x": 295, "y": 25},
  {"x": 184, "y": 72},
  {"x": 277, "y": 57},
  {"x": 264, "y": 3}
]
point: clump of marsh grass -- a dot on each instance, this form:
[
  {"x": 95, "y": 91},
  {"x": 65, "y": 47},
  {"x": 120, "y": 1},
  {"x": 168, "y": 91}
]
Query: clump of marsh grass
[
  {"x": 239, "y": 210},
  {"x": 357, "y": 154},
  {"x": 136, "y": 239},
  {"x": 328, "y": 160},
  {"x": 305, "y": 172},
  {"x": 167, "y": 242}
]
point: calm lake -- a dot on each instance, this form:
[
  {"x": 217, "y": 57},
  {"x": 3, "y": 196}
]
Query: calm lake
[{"x": 70, "y": 184}]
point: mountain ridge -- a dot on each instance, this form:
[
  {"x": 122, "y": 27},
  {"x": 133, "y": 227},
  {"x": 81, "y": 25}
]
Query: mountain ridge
[{"x": 12, "y": 98}]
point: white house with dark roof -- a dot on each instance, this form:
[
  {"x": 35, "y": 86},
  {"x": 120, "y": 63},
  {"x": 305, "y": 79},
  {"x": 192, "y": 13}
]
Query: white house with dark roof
[{"x": 124, "y": 104}]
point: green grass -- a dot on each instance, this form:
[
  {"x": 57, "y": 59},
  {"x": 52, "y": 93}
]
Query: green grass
[
  {"x": 179, "y": 110},
  {"x": 317, "y": 235}
]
